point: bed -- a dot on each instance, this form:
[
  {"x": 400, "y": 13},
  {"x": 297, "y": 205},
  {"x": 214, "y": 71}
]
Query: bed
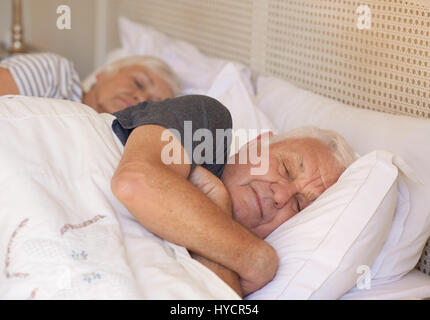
[{"x": 357, "y": 67}]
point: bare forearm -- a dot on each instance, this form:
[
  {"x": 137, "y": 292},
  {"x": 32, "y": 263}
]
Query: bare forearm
[
  {"x": 158, "y": 201},
  {"x": 212, "y": 187}
]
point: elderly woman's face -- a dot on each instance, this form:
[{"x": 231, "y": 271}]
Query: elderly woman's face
[
  {"x": 299, "y": 171},
  {"x": 127, "y": 87}
]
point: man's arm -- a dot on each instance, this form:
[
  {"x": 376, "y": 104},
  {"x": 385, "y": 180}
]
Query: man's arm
[
  {"x": 162, "y": 199},
  {"x": 213, "y": 188},
  {"x": 7, "y": 84}
]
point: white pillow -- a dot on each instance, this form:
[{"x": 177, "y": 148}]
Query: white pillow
[
  {"x": 414, "y": 285},
  {"x": 289, "y": 107},
  {"x": 112, "y": 56},
  {"x": 196, "y": 70},
  {"x": 321, "y": 248}
]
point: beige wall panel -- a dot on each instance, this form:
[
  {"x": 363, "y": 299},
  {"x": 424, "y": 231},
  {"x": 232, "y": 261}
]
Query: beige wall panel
[
  {"x": 5, "y": 19},
  {"x": 77, "y": 44}
]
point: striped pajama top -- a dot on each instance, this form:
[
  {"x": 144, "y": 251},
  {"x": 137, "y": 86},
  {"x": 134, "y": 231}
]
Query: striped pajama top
[{"x": 45, "y": 75}]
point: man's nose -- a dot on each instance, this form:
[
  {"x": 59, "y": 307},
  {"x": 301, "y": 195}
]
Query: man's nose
[{"x": 282, "y": 193}]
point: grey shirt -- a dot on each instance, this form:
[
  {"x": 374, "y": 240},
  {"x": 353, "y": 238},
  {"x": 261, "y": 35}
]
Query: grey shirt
[{"x": 185, "y": 116}]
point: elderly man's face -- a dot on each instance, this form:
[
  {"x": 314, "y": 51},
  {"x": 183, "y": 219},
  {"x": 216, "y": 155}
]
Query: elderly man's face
[
  {"x": 299, "y": 171},
  {"x": 128, "y": 86}
]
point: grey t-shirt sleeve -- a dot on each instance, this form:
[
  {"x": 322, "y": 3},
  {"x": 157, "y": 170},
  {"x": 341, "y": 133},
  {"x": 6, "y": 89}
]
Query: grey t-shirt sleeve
[{"x": 203, "y": 124}]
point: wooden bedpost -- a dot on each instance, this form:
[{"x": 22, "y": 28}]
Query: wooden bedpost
[{"x": 17, "y": 45}]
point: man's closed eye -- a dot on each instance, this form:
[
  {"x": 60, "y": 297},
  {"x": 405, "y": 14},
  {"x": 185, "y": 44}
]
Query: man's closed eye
[{"x": 139, "y": 84}]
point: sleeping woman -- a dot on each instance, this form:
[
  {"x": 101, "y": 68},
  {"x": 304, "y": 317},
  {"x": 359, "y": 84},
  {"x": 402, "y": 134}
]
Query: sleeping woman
[{"x": 123, "y": 83}]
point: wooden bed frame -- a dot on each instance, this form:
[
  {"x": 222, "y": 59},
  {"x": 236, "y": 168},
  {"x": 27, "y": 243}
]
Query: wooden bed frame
[{"x": 17, "y": 44}]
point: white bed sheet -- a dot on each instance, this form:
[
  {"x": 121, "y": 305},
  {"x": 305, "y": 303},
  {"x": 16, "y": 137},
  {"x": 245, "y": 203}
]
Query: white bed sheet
[
  {"x": 63, "y": 233},
  {"x": 414, "y": 285}
]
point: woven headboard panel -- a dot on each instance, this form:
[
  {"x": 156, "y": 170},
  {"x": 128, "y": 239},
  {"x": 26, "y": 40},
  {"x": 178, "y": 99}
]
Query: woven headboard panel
[
  {"x": 221, "y": 28},
  {"x": 318, "y": 45},
  {"x": 315, "y": 44},
  {"x": 424, "y": 262},
  {"x": 384, "y": 68}
]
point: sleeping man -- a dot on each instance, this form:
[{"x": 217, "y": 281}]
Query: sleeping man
[
  {"x": 214, "y": 207},
  {"x": 218, "y": 209}
]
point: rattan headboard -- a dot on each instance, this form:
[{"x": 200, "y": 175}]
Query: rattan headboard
[
  {"x": 330, "y": 47},
  {"x": 315, "y": 44}
]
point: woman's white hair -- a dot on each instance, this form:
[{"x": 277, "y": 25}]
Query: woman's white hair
[
  {"x": 341, "y": 150},
  {"x": 156, "y": 65}
]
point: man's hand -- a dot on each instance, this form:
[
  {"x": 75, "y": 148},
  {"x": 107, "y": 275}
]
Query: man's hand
[
  {"x": 217, "y": 192},
  {"x": 212, "y": 187}
]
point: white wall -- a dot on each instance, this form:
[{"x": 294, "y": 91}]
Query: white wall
[
  {"x": 112, "y": 39},
  {"x": 5, "y": 19},
  {"x": 106, "y": 29},
  {"x": 77, "y": 44},
  {"x": 93, "y": 29}
]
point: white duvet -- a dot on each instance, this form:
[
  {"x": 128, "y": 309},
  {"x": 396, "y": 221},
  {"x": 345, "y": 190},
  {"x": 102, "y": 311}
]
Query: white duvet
[{"x": 63, "y": 235}]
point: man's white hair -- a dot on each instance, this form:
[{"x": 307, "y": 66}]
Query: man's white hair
[
  {"x": 156, "y": 65},
  {"x": 341, "y": 150}
]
